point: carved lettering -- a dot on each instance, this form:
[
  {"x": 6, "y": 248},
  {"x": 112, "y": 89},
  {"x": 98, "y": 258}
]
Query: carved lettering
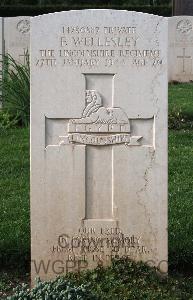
[{"x": 92, "y": 47}]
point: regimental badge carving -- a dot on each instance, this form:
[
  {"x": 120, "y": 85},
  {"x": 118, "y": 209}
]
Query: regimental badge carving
[
  {"x": 184, "y": 26},
  {"x": 184, "y": 32},
  {"x": 97, "y": 118},
  {"x": 23, "y": 26},
  {"x": 100, "y": 125}
]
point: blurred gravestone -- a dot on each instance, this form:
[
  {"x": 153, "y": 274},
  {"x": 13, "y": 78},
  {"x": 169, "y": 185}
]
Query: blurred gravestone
[
  {"x": 180, "y": 54},
  {"x": 98, "y": 140},
  {"x": 183, "y": 7},
  {"x": 1, "y": 35},
  {"x": 17, "y": 37},
  {"x": 1, "y": 50}
]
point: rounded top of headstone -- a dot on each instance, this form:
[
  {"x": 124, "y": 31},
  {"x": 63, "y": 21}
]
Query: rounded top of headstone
[{"x": 95, "y": 11}]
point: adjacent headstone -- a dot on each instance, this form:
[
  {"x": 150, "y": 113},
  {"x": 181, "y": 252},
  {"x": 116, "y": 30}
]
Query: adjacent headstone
[
  {"x": 1, "y": 52},
  {"x": 180, "y": 52},
  {"x": 1, "y": 36},
  {"x": 17, "y": 37},
  {"x": 98, "y": 140},
  {"x": 182, "y": 7}
]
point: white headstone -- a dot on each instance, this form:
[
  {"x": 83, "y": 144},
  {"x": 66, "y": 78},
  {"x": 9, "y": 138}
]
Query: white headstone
[
  {"x": 98, "y": 140},
  {"x": 1, "y": 50},
  {"x": 1, "y": 36},
  {"x": 17, "y": 37},
  {"x": 180, "y": 49}
]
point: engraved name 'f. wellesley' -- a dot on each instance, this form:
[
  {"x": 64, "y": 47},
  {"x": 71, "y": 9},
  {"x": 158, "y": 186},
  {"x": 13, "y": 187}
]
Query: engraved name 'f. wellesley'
[{"x": 100, "y": 125}]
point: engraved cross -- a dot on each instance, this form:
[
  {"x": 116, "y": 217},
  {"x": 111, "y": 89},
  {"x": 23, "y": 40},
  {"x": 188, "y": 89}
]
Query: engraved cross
[
  {"x": 24, "y": 56},
  {"x": 102, "y": 128},
  {"x": 184, "y": 57}
]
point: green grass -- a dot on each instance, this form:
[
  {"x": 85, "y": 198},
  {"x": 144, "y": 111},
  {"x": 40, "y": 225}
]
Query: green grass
[
  {"x": 181, "y": 99},
  {"x": 15, "y": 89},
  {"x": 123, "y": 280},
  {"x": 14, "y": 195},
  {"x": 9, "y": 280},
  {"x": 181, "y": 199},
  {"x": 181, "y": 106}
]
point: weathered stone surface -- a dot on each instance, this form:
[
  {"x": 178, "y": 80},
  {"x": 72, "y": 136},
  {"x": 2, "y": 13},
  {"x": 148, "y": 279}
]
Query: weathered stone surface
[
  {"x": 98, "y": 139},
  {"x": 183, "y": 7},
  {"x": 17, "y": 37},
  {"x": 180, "y": 49}
]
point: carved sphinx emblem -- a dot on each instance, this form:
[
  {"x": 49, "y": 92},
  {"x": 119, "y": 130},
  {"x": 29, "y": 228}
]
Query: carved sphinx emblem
[
  {"x": 97, "y": 118},
  {"x": 100, "y": 125}
]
